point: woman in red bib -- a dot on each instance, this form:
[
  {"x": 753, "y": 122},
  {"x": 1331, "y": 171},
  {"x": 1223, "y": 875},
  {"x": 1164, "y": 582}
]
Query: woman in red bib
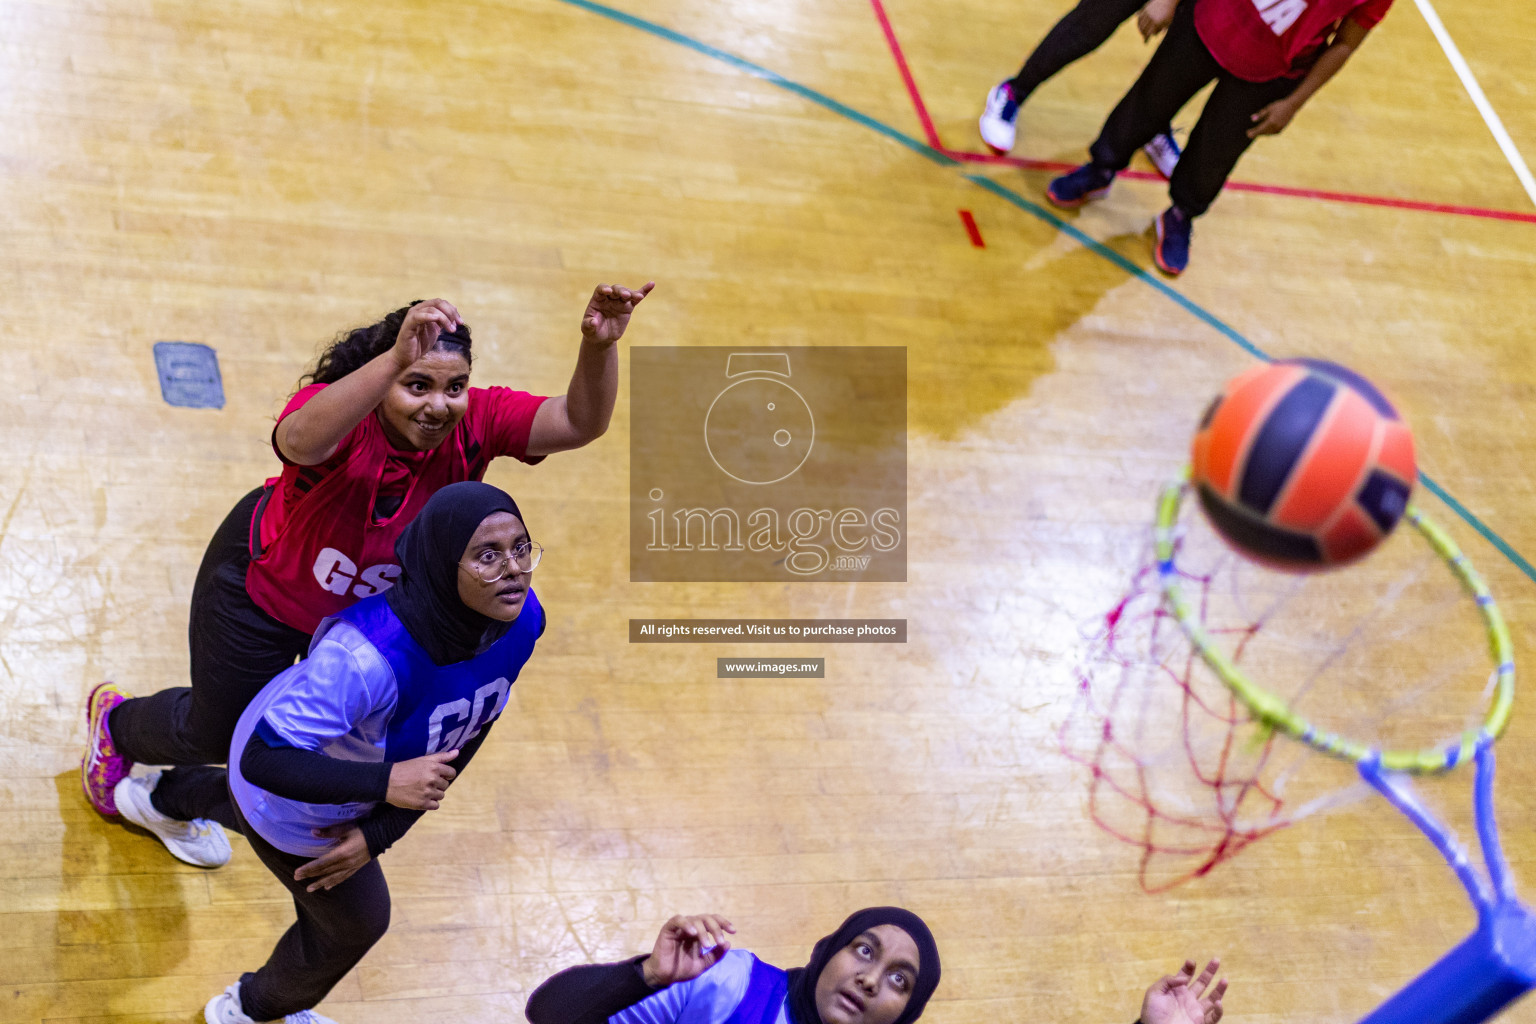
[
  {"x": 1267, "y": 58},
  {"x": 387, "y": 420}
]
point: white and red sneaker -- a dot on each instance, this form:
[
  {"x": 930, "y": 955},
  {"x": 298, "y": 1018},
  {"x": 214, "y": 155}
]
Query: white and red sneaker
[
  {"x": 102, "y": 768},
  {"x": 999, "y": 121}
]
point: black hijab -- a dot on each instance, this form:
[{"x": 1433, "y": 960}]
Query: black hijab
[
  {"x": 426, "y": 597},
  {"x": 802, "y": 980}
]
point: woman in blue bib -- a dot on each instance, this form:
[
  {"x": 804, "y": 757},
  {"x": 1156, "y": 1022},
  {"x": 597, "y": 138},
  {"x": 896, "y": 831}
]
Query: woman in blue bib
[
  {"x": 339, "y": 755},
  {"x": 880, "y": 967}
]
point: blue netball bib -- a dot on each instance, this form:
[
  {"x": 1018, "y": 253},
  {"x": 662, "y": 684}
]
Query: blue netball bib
[
  {"x": 765, "y": 994},
  {"x": 443, "y": 707}
]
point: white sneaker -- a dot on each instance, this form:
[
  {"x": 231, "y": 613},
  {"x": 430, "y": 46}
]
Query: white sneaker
[
  {"x": 224, "y": 1008},
  {"x": 999, "y": 122},
  {"x": 199, "y": 842},
  {"x": 1164, "y": 153}
]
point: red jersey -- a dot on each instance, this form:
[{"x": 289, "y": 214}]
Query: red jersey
[
  {"x": 1260, "y": 40},
  {"x": 316, "y": 545}
]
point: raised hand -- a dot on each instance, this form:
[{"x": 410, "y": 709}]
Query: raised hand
[
  {"x": 340, "y": 862},
  {"x": 421, "y": 328},
  {"x": 686, "y": 948},
  {"x": 1183, "y": 999},
  {"x": 608, "y": 313},
  {"x": 419, "y": 784}
]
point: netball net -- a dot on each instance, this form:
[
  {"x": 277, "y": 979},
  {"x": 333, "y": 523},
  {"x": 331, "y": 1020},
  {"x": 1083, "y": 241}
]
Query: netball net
[
  {"x": 1220, "y": 701},
  {"x": 1197, "y": 679}
]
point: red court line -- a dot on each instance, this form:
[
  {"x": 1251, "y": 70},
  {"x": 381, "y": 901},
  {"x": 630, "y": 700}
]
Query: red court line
[
  {"x": 906, "y": 76},
  {"x": 1273, "y": 190},
  {"x": 1356, "y": 198},
  {"x": 971, "y": 229}
]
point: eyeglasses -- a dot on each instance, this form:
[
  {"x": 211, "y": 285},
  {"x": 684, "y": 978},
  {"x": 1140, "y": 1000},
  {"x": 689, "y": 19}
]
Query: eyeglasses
[{"x": 492, "y": 565}]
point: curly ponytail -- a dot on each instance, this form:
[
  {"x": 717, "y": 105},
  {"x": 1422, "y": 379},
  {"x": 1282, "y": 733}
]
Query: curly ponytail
[{"x": 353, "y": 348}]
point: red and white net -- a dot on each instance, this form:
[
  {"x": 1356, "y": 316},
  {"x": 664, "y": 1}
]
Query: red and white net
[{"x": 1387, "y": 652}]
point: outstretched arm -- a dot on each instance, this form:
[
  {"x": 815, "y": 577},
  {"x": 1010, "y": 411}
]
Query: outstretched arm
[
  {"x": 581, "y": 415},
  {"x": 1272, "y": 119},
  {"x": 589, "y": 994},
  {"x": 1183, "y": 998},
  {"x": 594, "y": 993}
]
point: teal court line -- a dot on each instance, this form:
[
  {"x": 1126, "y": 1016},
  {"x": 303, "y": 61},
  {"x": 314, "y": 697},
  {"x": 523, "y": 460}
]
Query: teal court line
[{"x": 1011, "y": 197}]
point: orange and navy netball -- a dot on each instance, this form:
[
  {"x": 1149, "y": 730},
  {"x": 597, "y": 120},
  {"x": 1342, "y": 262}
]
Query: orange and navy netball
[{"x": 1302, "y": 464}]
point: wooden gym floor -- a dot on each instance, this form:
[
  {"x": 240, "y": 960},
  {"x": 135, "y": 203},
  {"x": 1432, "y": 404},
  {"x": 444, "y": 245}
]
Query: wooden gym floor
[{"x": 258, "y": 175}]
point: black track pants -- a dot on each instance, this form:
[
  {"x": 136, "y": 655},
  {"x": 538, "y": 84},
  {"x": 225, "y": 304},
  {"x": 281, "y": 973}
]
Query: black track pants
[
  {"x": 335, "y": 928},
  {"x": 236, "y": 650},
  {"x": 1180, "y": 68},
  {"x": 1081, "y": 31}
]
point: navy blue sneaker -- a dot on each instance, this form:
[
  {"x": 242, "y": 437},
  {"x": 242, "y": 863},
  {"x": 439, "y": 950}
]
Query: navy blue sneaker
[
  {"x": 1084, "y": 185},
  {"x": 1171, "y": 252}
]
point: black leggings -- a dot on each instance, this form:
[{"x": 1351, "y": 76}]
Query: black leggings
[
  {"x": 236, "y": 650},
  {"x": 1083, "y": 30},
  {"x": 336, "y": 927},
  {"x": 1180, "y": 68}
]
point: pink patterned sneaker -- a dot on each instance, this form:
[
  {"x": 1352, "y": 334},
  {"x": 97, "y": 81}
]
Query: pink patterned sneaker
[{"x": 102, "y": 768}]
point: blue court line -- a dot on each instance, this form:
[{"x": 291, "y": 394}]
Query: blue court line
[
  {"x": 1199, "y": 312},
  {"x": 1035, "y": 210},
  {"x": 1478, "y": 525}
]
